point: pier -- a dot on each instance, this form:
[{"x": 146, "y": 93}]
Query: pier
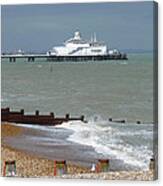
[
  {"x": 25, "y": 57},
  {"x": 53, "y": 58}
]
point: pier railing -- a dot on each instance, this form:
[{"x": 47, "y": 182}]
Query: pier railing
[{"x": 33, "y": 57}]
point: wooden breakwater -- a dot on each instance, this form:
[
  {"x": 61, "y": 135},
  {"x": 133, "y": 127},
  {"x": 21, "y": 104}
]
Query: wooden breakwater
[{"x": 37, "y": 118}]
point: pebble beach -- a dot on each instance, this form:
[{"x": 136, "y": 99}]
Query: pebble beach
[{"x": 29, "y": 165}]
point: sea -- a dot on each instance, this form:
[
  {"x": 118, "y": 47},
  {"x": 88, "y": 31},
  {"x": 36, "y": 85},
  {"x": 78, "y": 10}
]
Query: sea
[{"x": 99, "y": 90}]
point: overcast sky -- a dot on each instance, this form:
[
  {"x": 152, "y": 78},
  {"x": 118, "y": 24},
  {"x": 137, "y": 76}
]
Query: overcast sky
[{"x": 39, "y": 27}]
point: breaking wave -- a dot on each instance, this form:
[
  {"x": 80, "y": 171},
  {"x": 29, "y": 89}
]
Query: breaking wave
[{"x": 130, "y": 143}]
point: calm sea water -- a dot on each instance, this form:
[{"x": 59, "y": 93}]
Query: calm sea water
[{"x": 118, "y": 89}]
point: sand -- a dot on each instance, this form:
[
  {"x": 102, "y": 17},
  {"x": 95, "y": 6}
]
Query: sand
[
  {"x": 10, "y": 130},
  {"x": 29, "y": 165}
]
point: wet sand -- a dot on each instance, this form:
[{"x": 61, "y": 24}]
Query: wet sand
[
  {"x": 45, "y": 144},
  {"x": 31, "y": 165}
]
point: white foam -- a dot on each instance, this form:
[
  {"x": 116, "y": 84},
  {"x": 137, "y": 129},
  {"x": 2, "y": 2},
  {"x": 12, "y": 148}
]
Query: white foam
[
  {"x": 111, "y": 140},
  {"x": 39, "y": 66},
  {"x": 108, "y": 140}
]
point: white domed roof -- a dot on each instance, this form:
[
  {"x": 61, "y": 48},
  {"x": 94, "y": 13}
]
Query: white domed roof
[{"x": 77, "y": 35}]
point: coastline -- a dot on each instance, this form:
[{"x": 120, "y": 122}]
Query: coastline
[{"x": 29, "y": 165}]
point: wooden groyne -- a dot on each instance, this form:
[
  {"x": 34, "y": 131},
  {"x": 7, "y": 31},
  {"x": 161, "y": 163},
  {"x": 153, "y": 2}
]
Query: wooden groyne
[
  {"x": 123, "y": 121},
  {"x": 117, "y": 120},
  {"x": 36, "y": 119}
]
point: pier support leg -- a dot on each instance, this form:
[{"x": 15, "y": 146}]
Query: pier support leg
[
  {"x": 12, "y": 59},
  {"x": 31, "y": 59}
]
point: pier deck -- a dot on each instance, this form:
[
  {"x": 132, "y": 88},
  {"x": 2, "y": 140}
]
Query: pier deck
[{"x": 33, "y": 57}]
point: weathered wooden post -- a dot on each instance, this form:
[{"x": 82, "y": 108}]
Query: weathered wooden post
[
  {"x": 123, "y": 121},
  {"x": 55, "y": 168},
  {"x": 102, "y": 165},
  {"x": 7, "y": 109},
  {"x": 82, "y": 117},
  {"x": 60, "y": 167},
  {"x": 52, "y": 114},
  {"x": 152, "y": 164},
  {"x": 110, "y": 119},
  {"x": 37, "y": 112},
  {"x": 67, "y": 117},
  {"x": 22, "y": 111},
  {"x": 9, "y": 169}
]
